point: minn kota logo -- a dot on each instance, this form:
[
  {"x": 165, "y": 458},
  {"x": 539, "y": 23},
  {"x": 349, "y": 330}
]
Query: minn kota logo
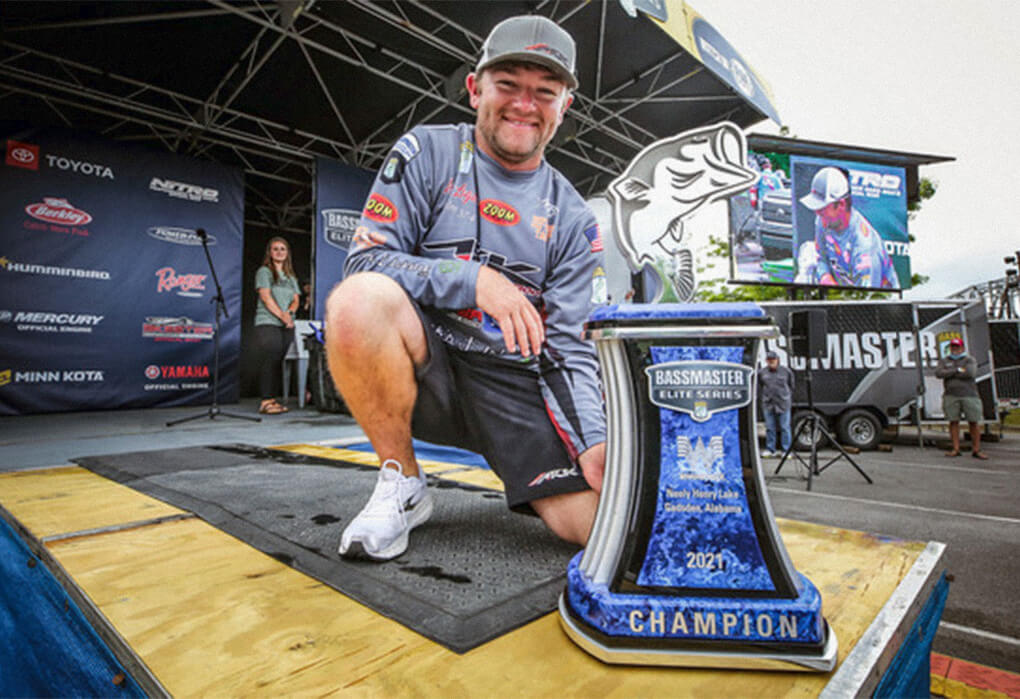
[
  {"x": 664, "y": 186},
  {"x": 699, "y": 460}
]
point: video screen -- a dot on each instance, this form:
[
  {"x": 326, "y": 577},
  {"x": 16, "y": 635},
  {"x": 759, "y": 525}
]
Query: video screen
[{"x": 815, "y": 222}]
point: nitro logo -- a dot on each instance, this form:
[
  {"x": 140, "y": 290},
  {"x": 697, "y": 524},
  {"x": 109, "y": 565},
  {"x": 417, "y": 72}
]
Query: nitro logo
[
  {"x": 23, "y": 155},
  {"x": 57, "y": 210},
  {"x": 698, "y": 388},
  {"x": 339, "y": 226},
  {"x": 167, "y": 279},
  {"x": 183, "y": 190},
  {"x": 179, "y": 236},
  {"x": 498, "y": 212},
  {"x": 79, "y": 167},
  {"x": 379, "y": 208}
]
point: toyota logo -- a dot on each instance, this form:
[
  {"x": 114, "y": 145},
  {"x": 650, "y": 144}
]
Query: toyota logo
[{"x": 22, "y": 155}]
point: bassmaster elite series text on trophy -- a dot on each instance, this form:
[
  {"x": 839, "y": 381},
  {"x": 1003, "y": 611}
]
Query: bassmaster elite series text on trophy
[{"x": 684, "y": 565}]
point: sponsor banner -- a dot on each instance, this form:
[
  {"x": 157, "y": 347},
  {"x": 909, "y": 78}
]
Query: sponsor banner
[
  {"x": 341, "y": 192},
  {"x": 102, "y": 273}
]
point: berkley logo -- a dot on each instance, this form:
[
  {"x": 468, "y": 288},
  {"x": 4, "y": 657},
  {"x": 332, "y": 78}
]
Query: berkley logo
[
  {"x": 498, "y": 212},
  {"x": 379, "y": 208},
  {"x": 56, "y": 210},
  {"x": 24, "y": 155},
  {"x": 168, "y": 280},
  {"x": 699, "y": 388}
]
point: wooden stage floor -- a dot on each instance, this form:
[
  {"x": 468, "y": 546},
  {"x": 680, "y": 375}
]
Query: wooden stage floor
[{"x": 210, "y": 616}]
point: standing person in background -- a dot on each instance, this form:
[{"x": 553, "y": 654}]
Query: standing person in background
[
  {"x": 278, "y": 300},
  {"x": 775, "y": 391},
  {"x": 960, "y": 398}
]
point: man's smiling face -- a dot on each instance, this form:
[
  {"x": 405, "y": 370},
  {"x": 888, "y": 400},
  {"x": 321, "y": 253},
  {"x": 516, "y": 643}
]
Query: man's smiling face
[{"x": 519, "y": 106}]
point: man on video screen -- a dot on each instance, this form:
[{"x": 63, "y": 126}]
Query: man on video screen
[{"x": 850, "y": 251}]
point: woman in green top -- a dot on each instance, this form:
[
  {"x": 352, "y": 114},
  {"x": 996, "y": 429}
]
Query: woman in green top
[{"x": 279, "y": 295}]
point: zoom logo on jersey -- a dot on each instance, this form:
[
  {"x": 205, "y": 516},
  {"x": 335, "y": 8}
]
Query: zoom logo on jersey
[
  {"x": 180, "y": 236},
  {"x": 379, "y": 208},
  {"x": 554, "y": 474},
  {"x": 183, "y": 190},
  {"x": 498, "y": 212}
]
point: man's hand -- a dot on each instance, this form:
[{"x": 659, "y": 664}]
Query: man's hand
[
  {"x": 593, "y": 465},
  {"x": 518, "y": 319}
]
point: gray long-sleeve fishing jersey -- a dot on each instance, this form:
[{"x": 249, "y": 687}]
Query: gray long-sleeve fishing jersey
[{"x": 445, "y": 209}]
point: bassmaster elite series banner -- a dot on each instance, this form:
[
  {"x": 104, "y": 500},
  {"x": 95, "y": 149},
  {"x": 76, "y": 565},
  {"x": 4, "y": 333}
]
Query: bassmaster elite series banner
[
  {"x": 340, "y": 193},
  {"x": 105, "y": 290},
  {"x": 814, "y": 222}
]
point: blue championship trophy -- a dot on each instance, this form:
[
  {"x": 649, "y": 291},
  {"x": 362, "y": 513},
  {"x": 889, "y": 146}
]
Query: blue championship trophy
[{"x": 685, "y": 566}]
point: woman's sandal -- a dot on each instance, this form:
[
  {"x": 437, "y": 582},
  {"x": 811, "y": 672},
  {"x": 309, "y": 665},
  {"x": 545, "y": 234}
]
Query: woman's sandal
[
  {"x": 979, "y": 455},
  {"x": 953, "y": 453},
  {"x": 271, "y": 407}
]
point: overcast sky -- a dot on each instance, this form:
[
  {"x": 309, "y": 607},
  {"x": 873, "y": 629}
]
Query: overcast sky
[{"x": 937, "y": 77}]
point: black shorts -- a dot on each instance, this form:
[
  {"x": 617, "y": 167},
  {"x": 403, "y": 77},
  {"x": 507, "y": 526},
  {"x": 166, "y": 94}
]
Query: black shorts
[{"x": 494, "y": 408}]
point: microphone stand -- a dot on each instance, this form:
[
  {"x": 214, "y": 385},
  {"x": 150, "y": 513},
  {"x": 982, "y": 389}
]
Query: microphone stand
[{"x": 221, "y": 307}]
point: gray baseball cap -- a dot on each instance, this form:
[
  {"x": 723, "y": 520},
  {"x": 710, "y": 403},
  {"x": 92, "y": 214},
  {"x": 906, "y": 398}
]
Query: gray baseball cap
[
  {"x": 534, "y": 39},
  {"x": 828, "y": 185}
]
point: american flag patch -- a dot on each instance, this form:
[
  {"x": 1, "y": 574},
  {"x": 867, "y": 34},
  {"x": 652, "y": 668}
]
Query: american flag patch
[{"x": 594, "y": 236}]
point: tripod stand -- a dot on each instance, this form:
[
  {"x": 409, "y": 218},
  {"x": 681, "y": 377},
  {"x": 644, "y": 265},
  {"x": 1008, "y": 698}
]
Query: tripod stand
[
  {"x": 221, "y": 307},
  {"x": 816, "y": 424}
]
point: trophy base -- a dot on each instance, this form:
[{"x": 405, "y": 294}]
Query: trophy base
[{"x": 687, "y": 631}]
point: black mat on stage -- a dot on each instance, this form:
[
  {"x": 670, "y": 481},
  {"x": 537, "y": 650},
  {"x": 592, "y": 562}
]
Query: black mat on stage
[{"x": 472, "y": 573}]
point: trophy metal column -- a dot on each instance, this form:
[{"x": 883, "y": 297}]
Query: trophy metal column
[{"x": 685, "y": 566}]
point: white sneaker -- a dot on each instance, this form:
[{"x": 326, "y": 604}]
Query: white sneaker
[{"x": 398, "y": 505}]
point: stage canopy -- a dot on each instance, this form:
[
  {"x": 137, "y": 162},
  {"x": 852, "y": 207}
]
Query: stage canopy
[{"x": 268, "y": 86}]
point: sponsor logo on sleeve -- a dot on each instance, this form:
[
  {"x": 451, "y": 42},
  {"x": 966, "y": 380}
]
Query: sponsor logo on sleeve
[
  {"x": 24, "y": 155},
  {"x": 498, "y": 212},
  {"x": 379, "y": 208}
]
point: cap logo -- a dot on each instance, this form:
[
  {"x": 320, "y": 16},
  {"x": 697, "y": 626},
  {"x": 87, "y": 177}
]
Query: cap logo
[{"x": 546, "y": 48}]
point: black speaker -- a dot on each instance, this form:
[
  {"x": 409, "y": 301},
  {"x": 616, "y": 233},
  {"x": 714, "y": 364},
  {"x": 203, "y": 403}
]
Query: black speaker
[{"x": 807, "y": 333}]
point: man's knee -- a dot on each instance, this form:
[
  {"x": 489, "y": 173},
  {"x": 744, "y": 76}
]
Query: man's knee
[
  {"x": 368, "y": 308},
  {"x": 569, "y": 516}
]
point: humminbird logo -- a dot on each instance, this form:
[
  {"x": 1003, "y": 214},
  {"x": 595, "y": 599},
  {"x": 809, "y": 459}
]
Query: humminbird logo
[{"x": 699, "y": 388}]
